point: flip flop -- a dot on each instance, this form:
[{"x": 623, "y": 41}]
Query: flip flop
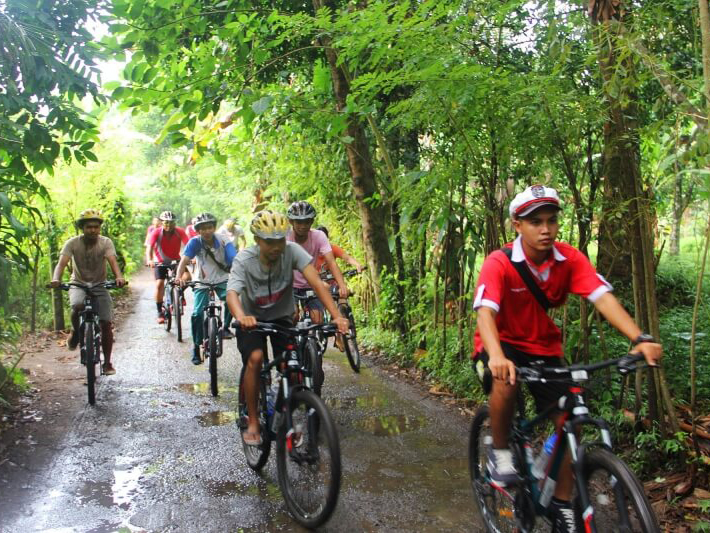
[{"x": 251, "y": 439}]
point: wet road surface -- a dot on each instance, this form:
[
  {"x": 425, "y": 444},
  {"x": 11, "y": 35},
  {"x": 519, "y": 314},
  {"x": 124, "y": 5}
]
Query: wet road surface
[{"x": 158, "y": 453}]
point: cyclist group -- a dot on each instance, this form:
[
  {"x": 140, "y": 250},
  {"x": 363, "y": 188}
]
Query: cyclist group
[{"x": 516, "y": 286}]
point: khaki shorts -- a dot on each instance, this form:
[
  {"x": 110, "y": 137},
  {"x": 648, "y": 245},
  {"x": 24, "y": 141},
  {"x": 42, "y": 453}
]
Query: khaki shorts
[{"x": 102, "y": 299}]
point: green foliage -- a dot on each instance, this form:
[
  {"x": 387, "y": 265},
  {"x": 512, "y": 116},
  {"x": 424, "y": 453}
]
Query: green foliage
[
  {"x": 387, "y": 342},
  {"x": 46, "y": 66}
]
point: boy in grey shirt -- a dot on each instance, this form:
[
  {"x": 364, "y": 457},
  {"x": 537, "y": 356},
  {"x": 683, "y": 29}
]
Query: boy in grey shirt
[{"x": 260, "y": 288}]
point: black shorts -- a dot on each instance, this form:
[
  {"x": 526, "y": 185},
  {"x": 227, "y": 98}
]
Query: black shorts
[
  {"x": 161, "y": 271},
  {"x": 314, "y": 304},
  {"x": 248, "y": 341},
  {"x": 544, "y": 394}
]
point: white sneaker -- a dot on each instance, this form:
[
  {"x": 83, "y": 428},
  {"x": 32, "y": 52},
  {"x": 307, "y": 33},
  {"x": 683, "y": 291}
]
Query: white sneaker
[{"x": 501, "y": 467}]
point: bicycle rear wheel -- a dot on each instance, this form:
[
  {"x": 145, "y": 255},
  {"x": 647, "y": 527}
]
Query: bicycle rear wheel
[
  {"x": 496, "y": 504},
  {"x": 314, "y": 359},
  {"x": 256, "y": 456},
  {"x": 351, "y": 348},
  {"x": 177, "y": 311},
  {"x": 90, "y": 358},
  {"x": 308, "y": 460},
  {"x": 617, "y": 498},
  {"x": 213, "y": 348}
]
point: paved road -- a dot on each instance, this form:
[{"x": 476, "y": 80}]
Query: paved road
[{"x": 158, "y": 453}]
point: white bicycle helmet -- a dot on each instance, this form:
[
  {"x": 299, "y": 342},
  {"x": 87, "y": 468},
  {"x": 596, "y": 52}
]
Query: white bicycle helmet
[
  {"x": 301, "y": 211},
  {"x": 168, "y": 216},
  {"x": 204, "y": 218}
]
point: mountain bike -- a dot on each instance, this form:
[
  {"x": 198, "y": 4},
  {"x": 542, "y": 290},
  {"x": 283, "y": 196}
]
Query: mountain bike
[
  {"x": 174, "y": 301},
  {"x": 89, "y": 332},
  {"x": 607, "y": 495},
  {"x": 317, "y": 341},
  {"x": 352, "y": 351},
  {"x": 212, "y": 331},
  {"x": 307, "y": 445}
]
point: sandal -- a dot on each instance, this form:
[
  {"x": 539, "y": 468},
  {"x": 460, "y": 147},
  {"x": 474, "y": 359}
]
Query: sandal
[{"x": 251, "y": 439}]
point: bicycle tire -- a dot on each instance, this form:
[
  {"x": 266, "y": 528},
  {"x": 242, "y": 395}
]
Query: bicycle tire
[
  {"x": 212, "y": 347},
  {"x": 177, "y": 309},
  {"x": 308, "y": 460},
  {"x": 90, "y": 355},
  {"x": 497, "y": 509},
  {"x": 352, "y": 350},
  {"x": 256, "y": 456},
  {"x": 314, "y": 358},
  {"x": 622, "y": 484},
  {"x": 167, "y": 311}
]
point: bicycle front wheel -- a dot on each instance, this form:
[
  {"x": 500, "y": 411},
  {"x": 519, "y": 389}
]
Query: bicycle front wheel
[
  {"x": 177, "y": 311},
  {"x": 213, "y": 347},
  {"x": 314, "y": 359},
  {"x": 351, "y": 348},
  {"x": 308, "y": 460},
  {"x": 617, "y": 500},
  {"x": 496, "y": 504},
  {"x": 90, "y": 358}
]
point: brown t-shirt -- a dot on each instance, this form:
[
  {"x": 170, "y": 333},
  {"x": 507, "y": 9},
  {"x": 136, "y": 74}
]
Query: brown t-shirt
[{"x": 89, "y": 262}]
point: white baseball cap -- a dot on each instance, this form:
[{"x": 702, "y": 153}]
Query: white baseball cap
[{"x": 532, "y": 198}]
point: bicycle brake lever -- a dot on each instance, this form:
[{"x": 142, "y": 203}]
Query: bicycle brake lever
[{"x": 629, "y": 363}]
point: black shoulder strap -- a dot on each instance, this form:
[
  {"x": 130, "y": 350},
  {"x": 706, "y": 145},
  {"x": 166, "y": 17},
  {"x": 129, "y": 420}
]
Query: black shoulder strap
[
  {"x": 209, "y": 252},
  {"x": 526, "y": 276}
]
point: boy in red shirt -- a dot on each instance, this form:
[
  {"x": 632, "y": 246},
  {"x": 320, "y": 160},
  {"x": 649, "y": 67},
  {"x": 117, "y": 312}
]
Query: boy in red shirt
[
  {"x": 165, "y": 244},
  {"x": 513, "y": 329}
]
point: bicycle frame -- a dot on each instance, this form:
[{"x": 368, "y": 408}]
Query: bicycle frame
[
  {"x": 574, "y": 415},
  {"x": 293, "y": 372},
  {"x": 89, "y": 315}
]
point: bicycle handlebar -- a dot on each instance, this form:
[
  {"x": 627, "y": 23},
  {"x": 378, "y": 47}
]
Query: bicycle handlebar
[
  {"x": 328, "y": 276},
  {"x": 206, "y": 285},
  {"x": 626, "y": 364},
  {"x": 270, "y": 327},
  {"x": 88, "y": 286},
  {"x": 169, "y": 264}
]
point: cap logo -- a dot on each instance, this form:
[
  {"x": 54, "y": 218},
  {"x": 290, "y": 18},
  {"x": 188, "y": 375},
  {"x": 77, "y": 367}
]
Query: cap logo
[{"x": 538, "y": 191}]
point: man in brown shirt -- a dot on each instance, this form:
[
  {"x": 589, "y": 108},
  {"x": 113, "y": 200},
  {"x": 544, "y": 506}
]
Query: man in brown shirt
[{"x": 89, "y": 254}]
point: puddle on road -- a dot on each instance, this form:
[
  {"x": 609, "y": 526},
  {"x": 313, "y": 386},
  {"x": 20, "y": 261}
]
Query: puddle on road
[
  {"x": 439, "y": 478},
  {"x": 391, "y": 425},
  {"x": 119, "y": 493},
  {"x": 217, "y": 418},
  {"x": 224, "y": 488},
  {"x": 203, "y": 389},
  {"x": 361, "y": 402}
]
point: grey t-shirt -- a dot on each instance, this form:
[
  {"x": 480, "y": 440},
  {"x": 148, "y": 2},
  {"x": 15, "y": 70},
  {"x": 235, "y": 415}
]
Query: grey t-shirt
[
  {"x": 267, "y": 293},
  {"x": 89, "y": 261}
]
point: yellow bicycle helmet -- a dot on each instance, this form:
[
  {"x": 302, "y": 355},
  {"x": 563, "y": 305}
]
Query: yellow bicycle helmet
[
  {"x": 269, "y": 225},
  {"x": 89, "y": 214}
]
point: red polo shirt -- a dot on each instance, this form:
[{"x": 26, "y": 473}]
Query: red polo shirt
[
  {"x": 338, "y": 253},
  {"x": 167, "y": 243},
  {"x": 520, "y": 319}
]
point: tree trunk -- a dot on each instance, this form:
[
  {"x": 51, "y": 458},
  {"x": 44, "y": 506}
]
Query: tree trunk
[
  {"x": 622, "y": 168},
  {"x": 372, "y": 210},
  {"x": 674, "y": 248},
  {"x": 57, "y": 303},
  {"x": 35, "y": 275}
]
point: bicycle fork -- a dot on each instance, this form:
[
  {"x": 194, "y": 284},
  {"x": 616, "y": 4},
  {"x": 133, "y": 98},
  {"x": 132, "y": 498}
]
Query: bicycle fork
[{"x": 578, "y": 453}]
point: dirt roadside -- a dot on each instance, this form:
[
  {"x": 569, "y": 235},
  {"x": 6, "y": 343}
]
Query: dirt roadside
[{"x": 31, "y": 431}]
